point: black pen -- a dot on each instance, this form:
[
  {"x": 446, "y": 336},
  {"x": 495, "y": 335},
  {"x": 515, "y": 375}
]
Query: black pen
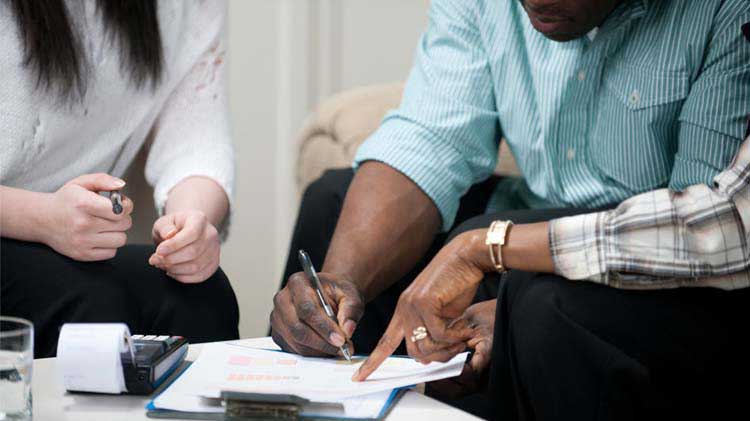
[
  {"x": 116, "y": 197},
  {"x": 307, "y": 266}
]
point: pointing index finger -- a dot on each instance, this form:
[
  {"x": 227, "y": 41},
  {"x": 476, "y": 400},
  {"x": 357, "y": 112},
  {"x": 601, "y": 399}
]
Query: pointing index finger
[{"x": 386, "y": 346}]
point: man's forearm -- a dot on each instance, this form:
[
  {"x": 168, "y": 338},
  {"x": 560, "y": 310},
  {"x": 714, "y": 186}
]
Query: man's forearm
[{"x": 386, "y": 225}]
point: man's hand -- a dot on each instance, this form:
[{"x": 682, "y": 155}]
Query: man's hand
[
  {"x": 439, "y": 295},
  {"x": 188, "y": 246},
  {"x": 79, "y": 223},
  {"x": 480, "y": 318},
  {"x": 300, "y": 325}
]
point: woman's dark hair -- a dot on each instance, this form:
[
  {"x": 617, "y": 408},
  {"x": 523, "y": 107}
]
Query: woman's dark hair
[{"x": 54, "y": 52}]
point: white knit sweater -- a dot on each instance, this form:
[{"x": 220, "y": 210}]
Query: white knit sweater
[{"x": 43, "y": 145}]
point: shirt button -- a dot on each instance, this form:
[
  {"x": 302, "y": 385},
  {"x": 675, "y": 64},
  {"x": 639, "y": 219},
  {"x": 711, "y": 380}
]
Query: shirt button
[
  {"x": 571, "y": 154},
  {"x": 581, "y": 75},
  {"x": 635, "y": 97}
]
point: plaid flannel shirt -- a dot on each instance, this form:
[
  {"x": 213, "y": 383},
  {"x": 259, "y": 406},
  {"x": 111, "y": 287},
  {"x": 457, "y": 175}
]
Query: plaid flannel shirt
[{"x": 664, "y": 239}]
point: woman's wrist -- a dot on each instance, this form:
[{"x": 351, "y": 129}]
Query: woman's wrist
[
  {"x": 526, "y": 248},
  {"x": 42, "y": 217},
  {"x": 473, "y": 249},
  {"x": 25, "y": 214},
  {"x": 199, "y": 193}
]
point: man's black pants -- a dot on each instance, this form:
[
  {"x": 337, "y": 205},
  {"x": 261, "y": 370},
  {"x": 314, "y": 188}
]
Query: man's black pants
[
  {"x": 49, "y": 289},
  {"x": 575, "y": 350}
]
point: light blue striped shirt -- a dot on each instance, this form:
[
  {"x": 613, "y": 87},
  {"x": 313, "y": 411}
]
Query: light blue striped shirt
[{"x": 658, "y": 97}]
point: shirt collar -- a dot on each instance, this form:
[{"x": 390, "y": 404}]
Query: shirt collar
[
  {"x": 626, "y": 11},
  {"x": 638, "y": 8},
  {"x": 592, "y": 33}
]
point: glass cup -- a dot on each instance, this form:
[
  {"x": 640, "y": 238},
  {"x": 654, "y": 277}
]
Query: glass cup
[{"x": 16, "y": 360}]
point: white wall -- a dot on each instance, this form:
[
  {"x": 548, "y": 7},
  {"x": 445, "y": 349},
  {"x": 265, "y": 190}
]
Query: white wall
[
  {"x": 253, "y": 80},
  {"x": 284, "y": 57},
  {"x": 378, "y": 39}
]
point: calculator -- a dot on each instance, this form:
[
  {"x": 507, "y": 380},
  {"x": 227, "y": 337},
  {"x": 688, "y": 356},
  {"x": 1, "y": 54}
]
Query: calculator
[{"x": 154, "y": 358}]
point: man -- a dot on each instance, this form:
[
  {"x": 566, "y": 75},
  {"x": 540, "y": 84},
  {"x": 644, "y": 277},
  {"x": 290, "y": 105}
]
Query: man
[{"x": 600, "y": 101}]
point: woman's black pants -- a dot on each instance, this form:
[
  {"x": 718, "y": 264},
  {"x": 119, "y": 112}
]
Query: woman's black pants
[
  {"x": 49, "y": 289},
  {"x": 567, "y": 350}
]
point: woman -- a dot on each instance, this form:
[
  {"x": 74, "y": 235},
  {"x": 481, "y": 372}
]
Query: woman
[{"x": 84, "y": 85}]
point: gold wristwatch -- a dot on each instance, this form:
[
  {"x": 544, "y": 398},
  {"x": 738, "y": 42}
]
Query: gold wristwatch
[{"x": 496, "y": 236}]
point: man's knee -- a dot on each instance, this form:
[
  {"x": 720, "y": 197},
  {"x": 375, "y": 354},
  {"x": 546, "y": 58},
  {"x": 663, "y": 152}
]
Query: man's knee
[{"x": 331, "y": 187}]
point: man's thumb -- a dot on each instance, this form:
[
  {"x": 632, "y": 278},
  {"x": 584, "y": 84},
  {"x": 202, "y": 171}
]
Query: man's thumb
[
  {"x": 99, "y": 182},
  {"x": 481, "y": 357}
]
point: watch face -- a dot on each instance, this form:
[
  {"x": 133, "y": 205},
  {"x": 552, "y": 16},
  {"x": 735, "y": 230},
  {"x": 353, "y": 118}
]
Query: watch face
[
  {"x": 495, "y": 237},
  {"x": 496, "y": 233}
]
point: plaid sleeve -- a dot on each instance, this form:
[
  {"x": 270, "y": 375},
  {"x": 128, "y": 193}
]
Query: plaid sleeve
[{"x": 663, "y": 238}]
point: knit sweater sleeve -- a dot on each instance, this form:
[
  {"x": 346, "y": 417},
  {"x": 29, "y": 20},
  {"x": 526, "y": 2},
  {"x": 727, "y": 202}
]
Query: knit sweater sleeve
[{"x": 191, "y": 135}]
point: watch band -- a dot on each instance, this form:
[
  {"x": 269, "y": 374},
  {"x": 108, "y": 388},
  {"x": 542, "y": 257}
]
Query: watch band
[{"x": 495, "y": 240}]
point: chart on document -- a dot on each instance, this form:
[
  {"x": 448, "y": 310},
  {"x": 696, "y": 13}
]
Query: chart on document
[{"x": 264, "y": 371}]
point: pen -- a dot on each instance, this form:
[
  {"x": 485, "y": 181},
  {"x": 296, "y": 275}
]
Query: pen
[
  {"x": 116, "y": 197},
  {"x": 307, "y": 266}
]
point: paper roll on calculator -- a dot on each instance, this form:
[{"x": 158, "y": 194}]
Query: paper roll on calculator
[
  {"x": 105, "y": 358},
  {"x": 89, "y": 354}
]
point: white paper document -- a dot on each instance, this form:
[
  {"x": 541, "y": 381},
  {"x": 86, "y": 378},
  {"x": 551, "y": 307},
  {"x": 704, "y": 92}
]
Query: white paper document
[
  {"x": 237, "y": 367},
  {"x": 89, "y": 356},
  {"x": 318, "y": 379},
  {"x": 369, "y": 406}
]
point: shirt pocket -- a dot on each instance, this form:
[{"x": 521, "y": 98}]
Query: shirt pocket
[{"x": 634, "y": 137}]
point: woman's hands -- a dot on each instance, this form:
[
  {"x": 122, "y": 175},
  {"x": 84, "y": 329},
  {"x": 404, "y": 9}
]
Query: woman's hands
[
  {"x": 187, "y": 237},
  {"x": 439, "y": 296},
  {"x": 79, "y": 223},
  {"x": 188, "y": 246}
]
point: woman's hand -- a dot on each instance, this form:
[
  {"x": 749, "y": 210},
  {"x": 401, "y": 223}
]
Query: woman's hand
[
  {"x": 188, "y": 246},
  {"x": 79, "y": 223},
  {"x": 440, "y": 294}
]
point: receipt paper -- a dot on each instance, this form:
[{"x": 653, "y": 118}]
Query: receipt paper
[{"x": 88, "y": 355}]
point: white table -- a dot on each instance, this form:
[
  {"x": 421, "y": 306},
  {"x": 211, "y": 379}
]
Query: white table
[{"x": 51, "y": 402}]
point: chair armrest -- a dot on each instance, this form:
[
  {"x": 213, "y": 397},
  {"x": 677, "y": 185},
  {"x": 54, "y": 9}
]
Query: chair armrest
[{"x": 333, "y": 132}]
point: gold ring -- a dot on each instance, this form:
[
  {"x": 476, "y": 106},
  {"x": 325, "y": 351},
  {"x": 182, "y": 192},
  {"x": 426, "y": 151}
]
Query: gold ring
[{"x": 418, "y": 334}]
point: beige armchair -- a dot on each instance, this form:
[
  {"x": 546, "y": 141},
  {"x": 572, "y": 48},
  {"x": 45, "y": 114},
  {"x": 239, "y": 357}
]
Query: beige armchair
[{"x": 331, "y": 135}]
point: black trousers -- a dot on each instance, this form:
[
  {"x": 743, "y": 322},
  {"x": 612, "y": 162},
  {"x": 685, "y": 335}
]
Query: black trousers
[
  {"x": 49, "y": 289},
  {"x": 583, "y": 351},
  {"x": 575, "y": 350}
]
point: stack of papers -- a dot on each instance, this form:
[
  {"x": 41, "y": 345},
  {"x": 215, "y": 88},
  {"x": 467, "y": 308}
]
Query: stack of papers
[{"x": 240, "y": 366}]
